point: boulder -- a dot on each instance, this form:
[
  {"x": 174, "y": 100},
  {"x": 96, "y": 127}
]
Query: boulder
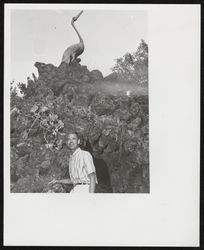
[
  {"x": 111, "y": 77},
  {"x": 96, "y": 75}
]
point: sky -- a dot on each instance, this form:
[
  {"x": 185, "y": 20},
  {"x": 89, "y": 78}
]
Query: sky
[{"x": 43, "y": 35}]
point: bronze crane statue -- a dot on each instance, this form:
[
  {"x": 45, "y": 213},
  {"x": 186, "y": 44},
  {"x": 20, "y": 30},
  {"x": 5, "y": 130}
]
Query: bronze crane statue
[{"x": 75, "y": 50}]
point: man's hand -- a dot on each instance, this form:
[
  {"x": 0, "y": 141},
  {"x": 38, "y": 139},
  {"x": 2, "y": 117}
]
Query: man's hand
[{"x": 53, "y": 182}]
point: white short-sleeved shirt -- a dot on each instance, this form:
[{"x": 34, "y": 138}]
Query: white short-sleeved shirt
[{"x": 80, "y": 166}]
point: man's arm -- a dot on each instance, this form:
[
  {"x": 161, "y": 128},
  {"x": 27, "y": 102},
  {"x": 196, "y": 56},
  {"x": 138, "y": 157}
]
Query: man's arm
[
  {"x": 64, "y": 181},
  {"x": 92, "y": 185},
  {"x": 91, "y": 171}
]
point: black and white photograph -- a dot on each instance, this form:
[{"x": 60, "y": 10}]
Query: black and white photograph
[
  {"x": 79, "y": 101},
  {"x": 101, "y": 126}
]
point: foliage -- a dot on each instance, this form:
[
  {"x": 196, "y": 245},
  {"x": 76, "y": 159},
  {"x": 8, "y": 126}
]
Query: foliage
[{"x": 134, "y": 67}]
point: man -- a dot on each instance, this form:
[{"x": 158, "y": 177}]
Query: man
[{"x": 81, "y": 168}]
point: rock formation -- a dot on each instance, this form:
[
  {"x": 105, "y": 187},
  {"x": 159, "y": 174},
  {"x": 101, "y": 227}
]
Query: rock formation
[{"x": 113, "y": 126}]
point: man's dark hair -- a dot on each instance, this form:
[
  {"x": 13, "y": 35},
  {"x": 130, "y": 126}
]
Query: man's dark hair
[{"x": 75, "y": 133}]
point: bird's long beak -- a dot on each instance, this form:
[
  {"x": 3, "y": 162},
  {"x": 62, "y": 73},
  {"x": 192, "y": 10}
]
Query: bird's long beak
[{"x": 79, "y": 14}]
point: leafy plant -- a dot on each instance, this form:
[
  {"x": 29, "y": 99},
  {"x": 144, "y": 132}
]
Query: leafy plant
[{"x": 134, "y": 67}]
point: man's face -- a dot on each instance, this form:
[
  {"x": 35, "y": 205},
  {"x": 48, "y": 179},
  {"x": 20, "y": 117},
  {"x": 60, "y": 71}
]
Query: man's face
[{"x": 72, "y": 141}]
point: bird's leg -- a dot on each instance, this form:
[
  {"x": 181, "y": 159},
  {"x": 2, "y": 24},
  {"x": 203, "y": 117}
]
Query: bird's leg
[{"x": 78, "y": 60}]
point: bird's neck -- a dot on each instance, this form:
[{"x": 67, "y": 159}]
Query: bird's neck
[{"x": 80, "y": 38}]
